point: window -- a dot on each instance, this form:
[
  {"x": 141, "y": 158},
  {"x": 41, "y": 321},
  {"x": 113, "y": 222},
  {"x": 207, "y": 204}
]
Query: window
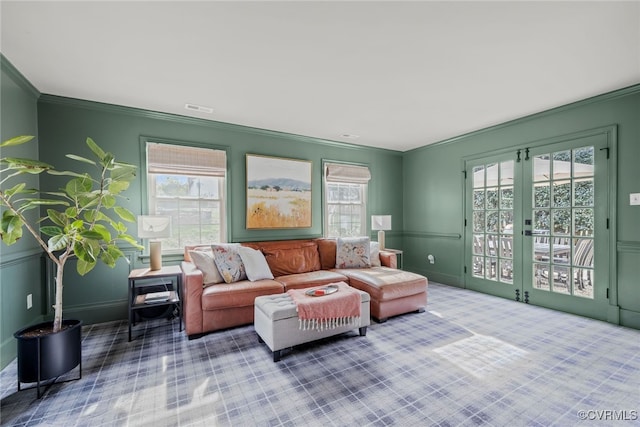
[
  {"x": 187, "y": 184},
  {"x": 345, "y": 208}
]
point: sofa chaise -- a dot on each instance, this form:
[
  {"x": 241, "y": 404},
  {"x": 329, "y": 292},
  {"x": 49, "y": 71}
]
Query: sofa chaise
[{"x": 295, "y": 264}]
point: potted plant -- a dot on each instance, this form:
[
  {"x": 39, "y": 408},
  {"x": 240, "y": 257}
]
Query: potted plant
[{"x": 78, "y": 221}]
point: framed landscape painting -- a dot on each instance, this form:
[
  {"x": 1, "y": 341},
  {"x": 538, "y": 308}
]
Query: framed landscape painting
[{"x": 278, "y": 192}]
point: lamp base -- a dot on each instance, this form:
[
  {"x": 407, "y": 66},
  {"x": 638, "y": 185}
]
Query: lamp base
[
  {"x": 381, "y": 239},
  {"x": 155, "y": 255}
]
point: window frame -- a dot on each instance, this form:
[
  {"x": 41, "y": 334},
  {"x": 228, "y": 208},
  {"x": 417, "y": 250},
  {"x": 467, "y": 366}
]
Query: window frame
[
  {"x": 364, "y": 226},
  {"x": 147, "y": 192}
]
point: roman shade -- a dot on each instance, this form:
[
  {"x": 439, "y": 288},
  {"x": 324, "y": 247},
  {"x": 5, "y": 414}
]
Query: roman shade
[
  {"x": 338, "y": 172},
  {"x": 184, "y": 160}
]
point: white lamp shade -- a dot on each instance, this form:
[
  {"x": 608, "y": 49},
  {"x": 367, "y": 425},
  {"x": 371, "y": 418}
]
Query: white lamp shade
[
  {"x": 154, "y": 226},
  {"x": 381, "y": 222}
]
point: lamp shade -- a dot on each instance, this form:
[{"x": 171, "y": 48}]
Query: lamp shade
[
  {"x": 381, "y": 222},
  {"x": 154, "y": 226}
]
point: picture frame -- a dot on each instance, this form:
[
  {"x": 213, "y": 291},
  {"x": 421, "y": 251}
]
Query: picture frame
[{"x": 278, "y": 192}]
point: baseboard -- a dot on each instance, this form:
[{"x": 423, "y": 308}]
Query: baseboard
[
  {"x": 434, "y": 276},
  {"x": 98, "y": 313},
  {"x": 630, "y": 319},
  {"x": 8, "y": 351}
]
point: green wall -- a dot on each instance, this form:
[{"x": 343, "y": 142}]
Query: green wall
[
  {"x": 433, "y": 188},
  {"x": 427, "y": 214},
  {"x": 20, "y": 264},
  {"x": 64, "y": 124}
]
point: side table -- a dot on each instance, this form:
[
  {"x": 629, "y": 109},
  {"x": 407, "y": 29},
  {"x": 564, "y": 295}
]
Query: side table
[{"x": 140, "y": 282}]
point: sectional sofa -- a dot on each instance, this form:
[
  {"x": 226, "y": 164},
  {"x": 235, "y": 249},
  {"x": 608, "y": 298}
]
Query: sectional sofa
[{"x": 294, "y": 264}]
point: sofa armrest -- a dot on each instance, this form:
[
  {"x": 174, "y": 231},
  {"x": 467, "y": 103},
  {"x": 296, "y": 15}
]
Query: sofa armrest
[
  {"x": 388, "y": 259},
  {"x": 192, "y": 283}
]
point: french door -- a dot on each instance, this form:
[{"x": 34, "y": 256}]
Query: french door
[{"x": 537, "y": 225}]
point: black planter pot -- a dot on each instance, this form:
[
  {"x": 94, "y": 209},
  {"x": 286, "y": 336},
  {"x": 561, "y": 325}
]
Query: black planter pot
[{"x": 46, "y": 357}]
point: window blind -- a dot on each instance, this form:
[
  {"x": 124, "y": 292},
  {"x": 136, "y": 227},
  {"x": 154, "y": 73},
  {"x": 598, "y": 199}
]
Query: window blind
[
  {"x": 183, "y": 160},
  {"x": 337, "y": 172}
]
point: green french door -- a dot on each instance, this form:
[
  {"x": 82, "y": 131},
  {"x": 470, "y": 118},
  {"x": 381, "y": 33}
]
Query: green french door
[{"x": 537, "y": 226}]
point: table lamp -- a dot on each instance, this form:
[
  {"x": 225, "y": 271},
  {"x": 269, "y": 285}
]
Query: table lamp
[
  {"x": 154, "y": 227},
  {"x": 381, "y": 223}
]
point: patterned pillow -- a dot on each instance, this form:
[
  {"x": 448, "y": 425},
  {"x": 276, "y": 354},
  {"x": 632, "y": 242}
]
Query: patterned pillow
[
  {"x": 353, "y": 252},
  {"x": 375, "y": 254},
  {"x": 203, "y": 260},
  {"x": 228, "y": 261}
]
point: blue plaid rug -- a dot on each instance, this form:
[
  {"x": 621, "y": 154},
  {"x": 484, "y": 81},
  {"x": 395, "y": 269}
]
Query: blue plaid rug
[{"x": 470, "y": 359}]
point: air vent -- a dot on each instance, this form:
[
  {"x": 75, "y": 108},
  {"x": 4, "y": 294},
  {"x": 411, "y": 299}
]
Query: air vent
[{"x": 199, "y": 108}]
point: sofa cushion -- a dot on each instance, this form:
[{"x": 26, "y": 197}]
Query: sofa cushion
[
  {"x": 238, "y": 294},
  {"x": 301, "y": 258},
  {"x": 308, "y": 280},
  {"x": 353, "y": 252},
  {"x": 255, "y": 264},
  {"x": 384, "y": 283},
  {"x": 327, "y": 251},
  {"x": 228, "y": 261},
  {"x": 203, "y": 260}
]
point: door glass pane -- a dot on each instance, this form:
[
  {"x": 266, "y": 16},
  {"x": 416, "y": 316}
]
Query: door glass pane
[
  {"x": 583, "y": 192},
  {"x": 541, "y": 196},
  {"x": 561, "y": 194},
  {"x": 478, "y": 199},
  {"x": 506, "y": 198},
  {"x": 561, "y": 165},
  {"x": 541, "y": 276},
  {"x": 492, "y": 198},
  {"x": 506, "y": 173},
  {"x": 478, "y": 221},
  {"x": 583, "y": 222},
  {"x": 541, "y": 168},
  {"x": 478, "y": 176},
  {"x": 560, "y": 283},
  {"x": 541, "y": 221}
]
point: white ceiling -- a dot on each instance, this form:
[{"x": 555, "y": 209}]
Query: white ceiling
[{"x": 398, "y": 74}]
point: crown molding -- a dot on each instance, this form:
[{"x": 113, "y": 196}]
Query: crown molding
[
  {"x": 222, "y": 126},
  {"x": 619, "y": 93},
  {"x": 15, "y": 75}
]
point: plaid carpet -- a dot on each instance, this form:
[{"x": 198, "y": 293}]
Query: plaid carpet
[{"x": 471, "y": 359}]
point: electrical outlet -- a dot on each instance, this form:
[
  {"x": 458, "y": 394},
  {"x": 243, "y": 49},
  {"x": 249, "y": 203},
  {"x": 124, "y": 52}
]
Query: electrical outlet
[
  {"x": 634, "y": 199},
  {"x": 29, "y": 301}
]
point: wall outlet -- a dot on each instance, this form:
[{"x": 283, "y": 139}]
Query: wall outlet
[
  {"x": 431, "y": 259},
  {"x": 634, "y": 199},
  {"x": 29, "y": 301}
]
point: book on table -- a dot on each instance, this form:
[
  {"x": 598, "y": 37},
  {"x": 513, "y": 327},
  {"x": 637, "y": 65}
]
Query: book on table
[{"x": 152, "y": 297}]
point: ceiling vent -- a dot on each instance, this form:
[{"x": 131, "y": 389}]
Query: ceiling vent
[{"x": 199, "y": 108}]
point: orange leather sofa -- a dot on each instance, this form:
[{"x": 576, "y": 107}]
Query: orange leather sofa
[{"x": 295, "y": 264}]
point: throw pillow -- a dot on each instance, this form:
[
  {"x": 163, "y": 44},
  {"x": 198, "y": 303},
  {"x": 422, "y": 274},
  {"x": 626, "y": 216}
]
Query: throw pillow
[
  {"x": 375, "y": 254},
  {"x": 254, "y": 264},
  {"x": 353, "y": 252},
  {"x": 203, "y": 260},
  {"x": 228, "y": 261}
]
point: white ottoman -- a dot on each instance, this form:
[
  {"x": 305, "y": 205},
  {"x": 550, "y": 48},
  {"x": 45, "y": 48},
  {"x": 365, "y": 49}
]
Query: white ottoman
[{"x": 276, "y": 322}]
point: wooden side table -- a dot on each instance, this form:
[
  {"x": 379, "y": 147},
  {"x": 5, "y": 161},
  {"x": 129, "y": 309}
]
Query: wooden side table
[{"x": 142, "y": 280}]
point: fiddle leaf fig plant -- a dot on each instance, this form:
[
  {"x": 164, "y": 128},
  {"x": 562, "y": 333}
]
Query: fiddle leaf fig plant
[{"x": 82, "y": 219}]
